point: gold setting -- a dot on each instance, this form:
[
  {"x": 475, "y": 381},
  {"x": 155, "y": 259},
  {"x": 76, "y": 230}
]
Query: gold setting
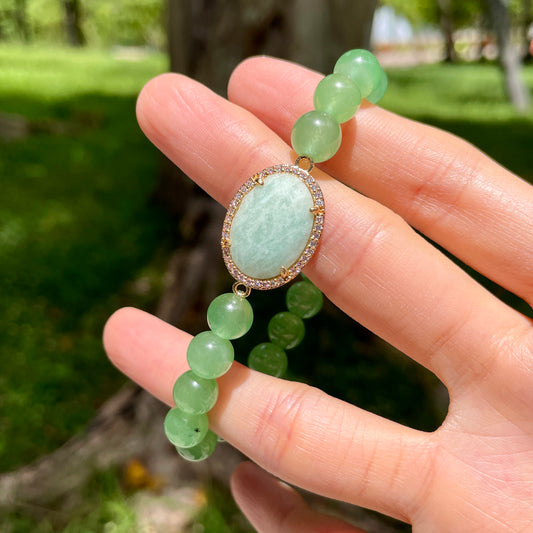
[
  {"x": 241, "y": 290},
  {"x": 305, "y": 159},
  {"x": 259, "y": 179},
  {"x": 318, "y": 209}
]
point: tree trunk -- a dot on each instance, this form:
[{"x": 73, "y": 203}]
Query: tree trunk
[
  {"x": 73, "y": 29},
  {"x": 509, "y": 58},
  {"x": 208, "y": 38},
  {"x": 526, "y": 27},
  {"x": 21, "y": 18},
  {"x": 446, "y": 26}
]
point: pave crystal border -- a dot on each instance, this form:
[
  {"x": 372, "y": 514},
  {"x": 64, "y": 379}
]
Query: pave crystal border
[{"x": 291, "y": 271}]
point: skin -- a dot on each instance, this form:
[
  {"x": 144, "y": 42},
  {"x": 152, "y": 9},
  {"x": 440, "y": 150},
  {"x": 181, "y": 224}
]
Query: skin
[{"x": 475, "y": 472}]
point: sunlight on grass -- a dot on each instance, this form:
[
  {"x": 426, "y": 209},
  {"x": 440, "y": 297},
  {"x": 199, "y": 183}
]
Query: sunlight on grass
[{"x": 56, "y": 74}]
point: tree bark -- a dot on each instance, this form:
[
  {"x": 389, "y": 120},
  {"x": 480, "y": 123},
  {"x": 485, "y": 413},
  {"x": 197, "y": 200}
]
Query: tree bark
[
  {"x": 21, "y": 17},
  {"x": 509, "y": 58},
  {"x": 73, "y": 17},
  {"x": 446, "y": 26},
  {"x": 526, "y": 27}
]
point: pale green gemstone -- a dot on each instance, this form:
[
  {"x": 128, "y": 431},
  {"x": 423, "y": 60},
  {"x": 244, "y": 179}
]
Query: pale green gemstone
[
  {"x": 316, "y": 135},
  {"x": 185, "y": 429},
  {"x": 269, "y": 359},
  {"x": 194, "y": 394},
  {"x": 230, "y": 316},
  {"x": 202, "y": 450},
  {"x": 304, "y": 299},
  {"x": 377, "y": 94},
  {"x": 286, "y": 330},
  {"x": 362, "y": 67},
  {"x": 209, "y": 355},
  {"x": 338, "y": 96},
  {"x": 271, "y": 228}
]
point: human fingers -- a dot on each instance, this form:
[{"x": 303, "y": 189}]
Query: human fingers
[
  {"x": 369, "y": 263},
  {"x": 440, "y": 184},
  {"x": 292, "y": 430},
  {"x": 272, "y": 506}
]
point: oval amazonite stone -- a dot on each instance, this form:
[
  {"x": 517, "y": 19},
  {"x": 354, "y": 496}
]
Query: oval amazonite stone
[{"x": 270, "y": 226}]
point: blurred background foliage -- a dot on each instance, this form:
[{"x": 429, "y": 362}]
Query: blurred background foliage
[
  {"x": 81, "y": 232},
  {"x": 101, "y": 22}
]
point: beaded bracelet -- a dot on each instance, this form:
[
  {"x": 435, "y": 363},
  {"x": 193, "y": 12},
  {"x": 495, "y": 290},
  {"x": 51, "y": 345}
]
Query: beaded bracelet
[{"x": 272, "y": 228}]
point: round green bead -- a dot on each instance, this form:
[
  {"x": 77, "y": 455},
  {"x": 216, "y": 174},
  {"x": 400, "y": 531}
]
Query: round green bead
[
  {"x": 316, "y": 135},
  {"x": 377, "y": 94},
  {"x": 286, "y": 330},
  {"x": 269, "y": 359},
  {"x": 185, "y": 429},
  {"x": 194, "y": 394},
  {"x": 362, "y": 67},
  {"x": 304, "y": 299},
  {"x": 338, "y": 96},
  {"x": 202, "y": 450},
  {"x": 209, "y": 355},
  {"x": 230, "y": 316}
]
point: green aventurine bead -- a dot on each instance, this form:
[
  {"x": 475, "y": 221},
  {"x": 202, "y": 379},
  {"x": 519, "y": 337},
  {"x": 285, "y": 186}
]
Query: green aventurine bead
[
  {"x": 286, "y": 330},
  {"x": 194, "y": 394},
  {"x": 304, "y": 299},
  {"x": 209, "y": 355},
  {"x": 362, "y": 67},
  {"x": 316, "y": 135},
  {"x": 185, "y": 429},
  {"x": 269, "y": 359},
  {"x": 229, "y": 316},
  {"x": 377, "y": 94},
  {"x": 338, "y": 96},
  {"x": 202, "y": 450}
]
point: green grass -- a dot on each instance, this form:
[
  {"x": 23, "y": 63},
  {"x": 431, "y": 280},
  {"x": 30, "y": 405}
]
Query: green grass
[{"x": 76, "y": 225}]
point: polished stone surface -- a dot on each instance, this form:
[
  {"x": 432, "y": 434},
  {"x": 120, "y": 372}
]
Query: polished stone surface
[
  {"x": 316, "y": 135},
  {"x": 338, "y": 96},
  {"x": 362, "y": 67},
  {"x": 230, "y": 316},
  {"x": 272, "y": 226}
]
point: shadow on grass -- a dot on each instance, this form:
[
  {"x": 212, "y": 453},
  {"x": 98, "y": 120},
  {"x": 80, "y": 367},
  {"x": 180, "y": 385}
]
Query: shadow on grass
[{"x": 76, "y": 225}]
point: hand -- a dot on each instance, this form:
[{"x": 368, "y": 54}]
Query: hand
[{"x": 474, "y": 473}]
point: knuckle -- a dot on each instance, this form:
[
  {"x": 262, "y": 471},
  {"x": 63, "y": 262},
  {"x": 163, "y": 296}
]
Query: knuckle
[
  {"x": 438, "y": 192},
  {"x": 364, "y": 247},
  {"x": 283, "y": 423}
]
